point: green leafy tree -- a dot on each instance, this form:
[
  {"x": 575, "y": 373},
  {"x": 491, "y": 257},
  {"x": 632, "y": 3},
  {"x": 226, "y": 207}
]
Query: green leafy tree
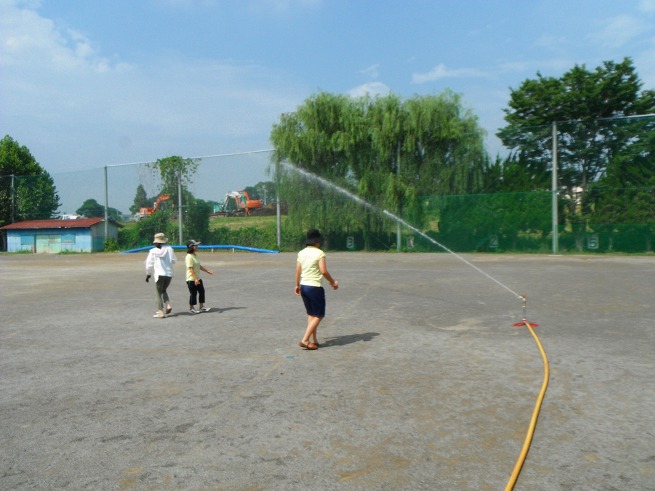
[
  {"x": 162, "y": 221},
  {"x": 173, "y": 168},
  {"x": 196, "y": 220},
  {"x": 27, "y": 191},
  {"x": 262, "y": 190},
  {"x": 623, "y": 202},
  {"x": 588, "y": 107},
  {"x": 91, "y": 209},
  {"x": 385, "y": 150},
  {"x": 141, "y": 200}
]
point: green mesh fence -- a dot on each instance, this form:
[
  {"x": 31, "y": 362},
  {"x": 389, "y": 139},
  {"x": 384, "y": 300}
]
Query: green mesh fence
[
  {"x": 605, "y": 200},
  {"x": 496, "y": 222},
  {"x": 606, "y": 220}
]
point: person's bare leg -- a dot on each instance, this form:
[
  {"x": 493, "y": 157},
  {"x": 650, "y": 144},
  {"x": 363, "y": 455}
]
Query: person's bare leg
[
  {"x": 315, "y": 331},
  {"x": 312, "y": 325}
]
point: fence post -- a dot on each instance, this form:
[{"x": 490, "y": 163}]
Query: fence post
[
  {"x": 106, "y": 207},
  {"x": 278, "y": 218},
  {"x": 554, "y": 191},
  {"x": 179, "y": 206}
]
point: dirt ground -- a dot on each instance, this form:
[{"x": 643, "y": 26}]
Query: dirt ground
[{"x": 421, "y": 381}]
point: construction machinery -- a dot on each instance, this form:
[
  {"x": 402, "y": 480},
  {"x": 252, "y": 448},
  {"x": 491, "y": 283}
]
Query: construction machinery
[
  {"x": 146, "y": 212},
  {"x": 238, "y": 203}
]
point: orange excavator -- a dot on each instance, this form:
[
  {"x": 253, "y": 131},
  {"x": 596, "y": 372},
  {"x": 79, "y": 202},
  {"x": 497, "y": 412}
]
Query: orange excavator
[
  {"x": 250, "y": 204},
  {"x": 238, "y": 203},
  {"x": 146, "y": 212}
]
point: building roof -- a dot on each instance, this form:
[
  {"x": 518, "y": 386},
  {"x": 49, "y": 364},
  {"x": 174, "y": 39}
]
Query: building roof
[{"x": 55, "y": 223}]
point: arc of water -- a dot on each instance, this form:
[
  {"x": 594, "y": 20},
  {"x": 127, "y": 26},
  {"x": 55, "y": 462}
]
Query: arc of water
[{"x": 397, "y": 219}]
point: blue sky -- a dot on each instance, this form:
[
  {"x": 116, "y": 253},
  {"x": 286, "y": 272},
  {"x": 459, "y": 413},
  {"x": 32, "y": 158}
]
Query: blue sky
[{"x": 84, "y": 84}]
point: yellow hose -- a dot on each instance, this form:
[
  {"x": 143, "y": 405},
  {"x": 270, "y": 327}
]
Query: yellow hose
[{"x": 535, "y": 413}]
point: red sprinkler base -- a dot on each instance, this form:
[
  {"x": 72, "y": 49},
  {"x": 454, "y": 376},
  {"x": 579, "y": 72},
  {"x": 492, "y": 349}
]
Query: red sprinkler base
[{"x": 524, "y": 322}]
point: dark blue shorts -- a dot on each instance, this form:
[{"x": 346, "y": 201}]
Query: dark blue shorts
[{"x": 314, "y": 299}]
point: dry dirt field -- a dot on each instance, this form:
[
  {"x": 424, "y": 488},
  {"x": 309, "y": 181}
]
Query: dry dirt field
[{"x": 421, "y": 381}]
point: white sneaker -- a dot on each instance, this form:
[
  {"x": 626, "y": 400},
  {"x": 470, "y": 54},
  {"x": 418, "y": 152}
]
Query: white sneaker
[
  {"x": 193, "y": 311},
  {"x": 205, "y": 309}
]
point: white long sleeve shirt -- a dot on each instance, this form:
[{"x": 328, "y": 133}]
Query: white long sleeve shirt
[{"x": 160, "y": 262}]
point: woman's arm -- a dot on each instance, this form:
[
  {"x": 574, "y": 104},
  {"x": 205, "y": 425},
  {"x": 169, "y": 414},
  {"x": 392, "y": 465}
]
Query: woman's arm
[
  {"x": 322, "y": 265},
  {"x": 298, "y": 271}
]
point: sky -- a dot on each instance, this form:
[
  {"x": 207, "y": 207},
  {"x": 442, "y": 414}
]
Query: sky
[{"x": 92, "y": 83}]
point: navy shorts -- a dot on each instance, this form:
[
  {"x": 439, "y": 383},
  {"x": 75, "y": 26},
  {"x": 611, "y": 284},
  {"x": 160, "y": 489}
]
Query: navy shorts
[{"x": 314, "y": 300}]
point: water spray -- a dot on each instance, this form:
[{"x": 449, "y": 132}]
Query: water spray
[
  {"x": 438, "y": 244},
  {"x": 397, "y": 219}
]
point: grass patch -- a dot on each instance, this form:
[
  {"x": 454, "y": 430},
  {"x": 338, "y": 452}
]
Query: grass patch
[{"x": 240, "y": 223}]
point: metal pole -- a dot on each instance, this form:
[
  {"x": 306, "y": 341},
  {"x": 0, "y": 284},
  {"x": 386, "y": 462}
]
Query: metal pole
[
  {"x": 13, "y": 199},
  {"x": 277, "y": 205},
  {"x": 398, "y": 234},
  {"x": 179, "y": 206},
  {"x": 554, "y": 193},
  {"x": 106, "y": 207}
]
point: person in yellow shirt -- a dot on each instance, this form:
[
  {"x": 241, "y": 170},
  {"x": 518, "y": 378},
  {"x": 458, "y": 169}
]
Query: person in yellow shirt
[
  {"x": 193, "y": 281},
  {"x": 311, "y": 268}
]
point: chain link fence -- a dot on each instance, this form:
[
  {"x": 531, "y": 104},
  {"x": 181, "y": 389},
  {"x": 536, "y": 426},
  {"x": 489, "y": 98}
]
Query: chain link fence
[{"x": 601, "y": 200}]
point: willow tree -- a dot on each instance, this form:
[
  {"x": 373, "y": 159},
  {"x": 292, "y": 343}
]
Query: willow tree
[{"x": 386, "y": 150}]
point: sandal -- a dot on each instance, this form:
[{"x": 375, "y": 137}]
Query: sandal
[{"x": 311, "y": 346}]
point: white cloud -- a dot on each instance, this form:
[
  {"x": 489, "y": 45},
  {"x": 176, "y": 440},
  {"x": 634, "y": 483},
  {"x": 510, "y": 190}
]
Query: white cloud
[
  {"x": 62, "y": 97},
  {"x": 371, "y": 88},
  {"x": 32, "y": 43},
  {"x": 441, "y": 71},
  {"x": 618, "y": 31}
]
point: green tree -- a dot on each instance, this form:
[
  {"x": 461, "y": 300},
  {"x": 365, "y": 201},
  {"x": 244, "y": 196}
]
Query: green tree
[
  {"x": 27, "y": 191},
  {"x": 385, "y": 150},
  {"x": 173, "y": 168},
  {"x": 262, "y": 190},
  {"x": 588, "y": 107},
  {"x": 624, "y": 200},
  {"x": 196, "y": 220},
  {"x": 91, "y": 209},
  {"x": 162, "y": 221},
  {"x": 141, "y": 200}
]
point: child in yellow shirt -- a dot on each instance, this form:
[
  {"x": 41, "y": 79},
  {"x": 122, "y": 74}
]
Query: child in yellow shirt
[{"x": 311, "y": 268}]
